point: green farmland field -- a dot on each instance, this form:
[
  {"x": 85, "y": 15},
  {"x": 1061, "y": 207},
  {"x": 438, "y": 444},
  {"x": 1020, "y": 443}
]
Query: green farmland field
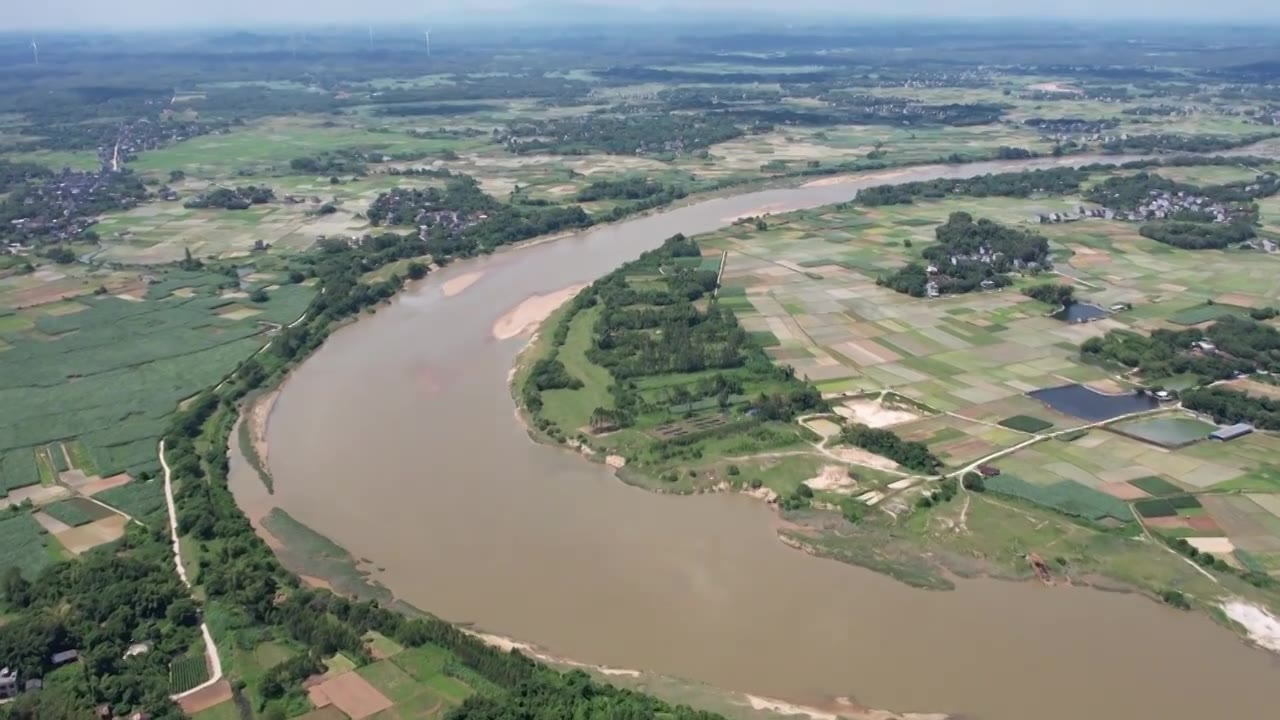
[
  {"x": 187, "y": 672},
  {"x": 1066, "y": 496},
  {"x": 76, "y": 511},
  {"x": 117, "y": 371},
  {"x": 23, "y": 541}
]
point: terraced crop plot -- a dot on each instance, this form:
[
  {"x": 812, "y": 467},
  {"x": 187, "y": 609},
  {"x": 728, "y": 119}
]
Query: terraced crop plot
[
  {"x": 691, "y": 426},
  {"x": 187, "y": 672},
  {"x": 1166, "y": 507},
  {"x": 137, "y": 498},
  {"x": 1068, "y": 497},
  {"x": 1197, "y": 314},
  {"x": 77, "y": 511},
  {"x": 1156, "y": 486}
]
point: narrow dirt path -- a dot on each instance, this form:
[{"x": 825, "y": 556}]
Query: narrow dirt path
[{"x": 210, "y": 649}]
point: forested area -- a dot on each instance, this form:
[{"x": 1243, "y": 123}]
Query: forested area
[
  {"x": 114, "y": 597},
  {"x": 1054, "y": 294},
  {"x": 239, "y": 198},
  {"x": 1181, "y": 143},
  {"x": 910, "y": 454},
  {"x": 13, "y": 174},
  {"x": 652, "y": 327},
  {"x": 970, "y": 255},
  {"x": 628, "y": 188},
  {"x": 1230, "y": 406},
  {"x": 638, "y": 134},
  {"x": 462, "y": 220},
  {"x": 1233, "y": 345},
  {"x": 1057, "y": 181}
]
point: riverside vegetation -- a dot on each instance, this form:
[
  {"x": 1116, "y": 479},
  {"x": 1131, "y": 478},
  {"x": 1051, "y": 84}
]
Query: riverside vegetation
[
  {"x": 167, "y": 212},
  {"x": 672, "y": 365}
]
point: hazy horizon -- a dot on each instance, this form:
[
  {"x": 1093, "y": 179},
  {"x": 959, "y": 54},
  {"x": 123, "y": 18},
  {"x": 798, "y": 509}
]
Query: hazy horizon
[{"x": 80, "y": 15}]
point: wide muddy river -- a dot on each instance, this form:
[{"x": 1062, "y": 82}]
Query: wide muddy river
[{"x": 399, "y": 441}]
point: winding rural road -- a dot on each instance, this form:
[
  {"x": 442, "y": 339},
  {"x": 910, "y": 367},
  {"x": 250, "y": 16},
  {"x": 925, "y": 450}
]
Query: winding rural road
[{"x": 210, "y": 649}]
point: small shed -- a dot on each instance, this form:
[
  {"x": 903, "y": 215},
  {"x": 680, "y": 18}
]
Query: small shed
[{"x": 1231, "y": 432}]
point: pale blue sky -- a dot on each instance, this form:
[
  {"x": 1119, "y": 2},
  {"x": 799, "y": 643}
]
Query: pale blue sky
[{"x": 90, "y": 14}]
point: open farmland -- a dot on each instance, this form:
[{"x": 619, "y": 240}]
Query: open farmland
[{"x": 104, "y": 377}]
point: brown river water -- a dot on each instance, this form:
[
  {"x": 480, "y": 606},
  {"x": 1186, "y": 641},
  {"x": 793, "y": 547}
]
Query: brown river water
[{"x": 398, "y": 439}]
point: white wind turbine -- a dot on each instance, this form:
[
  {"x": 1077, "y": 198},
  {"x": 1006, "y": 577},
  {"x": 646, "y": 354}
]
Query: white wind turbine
[
  {"x": 428, "y": 34},
  {"x": 35, "y": 51}
]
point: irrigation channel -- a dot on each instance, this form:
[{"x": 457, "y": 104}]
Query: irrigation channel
[{"x": 398, "y": 440}]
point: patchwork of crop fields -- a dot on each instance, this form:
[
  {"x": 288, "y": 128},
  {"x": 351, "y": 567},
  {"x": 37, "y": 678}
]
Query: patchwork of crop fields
[
  {"x": 91, "y": 377},
  {"x": 807, "y": 286}
]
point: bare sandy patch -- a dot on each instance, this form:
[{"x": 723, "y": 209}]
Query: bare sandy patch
[
  {"x": 51, "y": 523},
  {"x": 1257, "y": 389},
  {"x": 823, "y": 427},
  {"x": 1263, "y": 627},
  {"x": 526, "y": 316},
  {"x": 354, "y": 695},
  {"x": 97, "y": 485},
  {"x": 1212, "y": 545},
  {"x": 238, "y": 312},
  {"x": 858, "y": 456},
  {"x": 455, "y": 285},
  {"x": 86, "y": 537},
  {"x": 259, "y": 418},
  {"x": 874, "y": 413},
  {"x": 1056, "y": 86},
  {"x": 1122, "y": 490},
  {"x": 756, "y": 212},
  {"x": 615, "y": 461},
  {"x": 833, "y": 478},
  {"x": 842, "y": 179},
  {"x": 311, "y": 580},
  {"x": 205, "y": 698}
]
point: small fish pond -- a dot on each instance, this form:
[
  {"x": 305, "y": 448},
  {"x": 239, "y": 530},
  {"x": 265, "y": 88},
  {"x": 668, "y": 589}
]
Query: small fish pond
[
  {"x": 1089, "y": 404},
  {"x": 1079, "y": 312}
]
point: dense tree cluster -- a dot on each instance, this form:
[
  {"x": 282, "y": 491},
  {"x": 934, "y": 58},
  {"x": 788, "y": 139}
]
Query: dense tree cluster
[
  {"x": 638, "y": 134},
  {"x": 907, "y": 453},
  {"x": 13, "y": 174},
  {"x": 970, "y": 255},
  {"x": 1230, "y": 406},
  {"x": 1181, "y": 143},
  {"x": 656, "y": 329},
  {"x": 337, "y": 162},
  {"x": 1057, "y": 181},
  {"x": 1230, "y": 346},
  {"x": 101, "y": 606},
  {"x": 1052, "y": 294},
  {"x": 239, "y": 198},
  {"x": 462, "y": 220},
  {"x": 629, "y": 188}
]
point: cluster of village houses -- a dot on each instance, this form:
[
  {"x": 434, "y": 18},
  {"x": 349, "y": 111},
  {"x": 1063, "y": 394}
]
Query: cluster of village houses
[{"x": 1159, "y": 205}]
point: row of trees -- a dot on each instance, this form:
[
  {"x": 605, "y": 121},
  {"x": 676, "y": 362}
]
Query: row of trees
[
  {"x": 907, "y": 453},
  {"x": 636, "y": 134},
  {"x": 1239, "y": 346},
  {"x": 239, "y": 198},
  {"x": 1057, "y": 181},
  {"x": 1229, "y": 406}
]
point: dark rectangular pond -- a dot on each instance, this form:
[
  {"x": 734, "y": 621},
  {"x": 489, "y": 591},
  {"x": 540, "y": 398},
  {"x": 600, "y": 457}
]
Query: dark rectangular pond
[
  {"x": 1079, "y": 312},
  {"x": 1088, "y": 404}
]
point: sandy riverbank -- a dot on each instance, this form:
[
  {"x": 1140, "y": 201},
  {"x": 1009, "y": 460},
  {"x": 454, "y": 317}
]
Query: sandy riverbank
[
  {"x": 841, "y": 179},
  {"x": 525, "y": 317},
  {"x": 454, "y": 286},
  {"x": 259, "y": 416}
]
